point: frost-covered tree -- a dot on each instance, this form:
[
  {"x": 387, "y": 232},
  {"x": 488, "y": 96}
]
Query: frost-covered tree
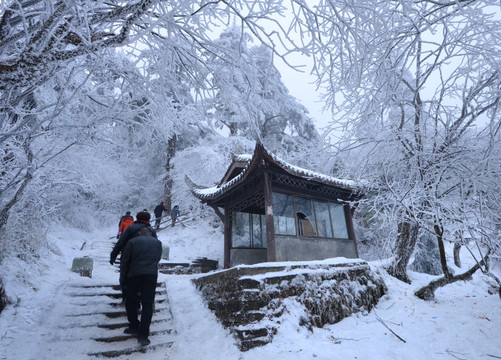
[
  {"x": 248, "y": 98},
  {"x": 42, "y": 39},
  {"x": 415, "y": 86},
  {"x": 75, "y": 116}
]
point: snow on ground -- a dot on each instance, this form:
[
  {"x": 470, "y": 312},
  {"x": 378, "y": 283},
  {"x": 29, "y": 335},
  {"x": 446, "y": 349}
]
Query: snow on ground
[{"x": 463, "y": 322}]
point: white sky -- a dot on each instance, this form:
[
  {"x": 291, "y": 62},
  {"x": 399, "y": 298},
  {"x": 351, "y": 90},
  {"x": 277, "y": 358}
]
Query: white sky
[{"x": 301, "y": 86}]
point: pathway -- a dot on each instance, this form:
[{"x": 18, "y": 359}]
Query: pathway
[{"x": 90, "y": 319}]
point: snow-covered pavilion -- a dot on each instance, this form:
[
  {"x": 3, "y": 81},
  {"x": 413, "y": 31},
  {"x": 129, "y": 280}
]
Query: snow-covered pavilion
[{"x": 274, "y": 211}]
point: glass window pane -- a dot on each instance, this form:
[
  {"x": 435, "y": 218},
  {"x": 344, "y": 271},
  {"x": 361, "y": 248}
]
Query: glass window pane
[
  {"x": 240, "y": 234},
  {"x": 258, "y": 234},
  {"x": 283, "y": 214},
  {"x": 339, "y": 221},
  {"x": 305, "y": 217},
  {"x": 323, "y": 218}
]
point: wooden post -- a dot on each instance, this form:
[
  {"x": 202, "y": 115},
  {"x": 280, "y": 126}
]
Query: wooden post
[
  {"x": 349, "y": 225},
  {"x": 270, "y": 226},
  {"x": 227, "y": 235}
]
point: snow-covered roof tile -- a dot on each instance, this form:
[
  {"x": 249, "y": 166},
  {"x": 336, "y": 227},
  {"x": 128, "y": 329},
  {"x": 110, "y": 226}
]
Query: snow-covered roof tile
[
  {"x": 313, "y": 175},
  {"x": 212, "y": 192}
]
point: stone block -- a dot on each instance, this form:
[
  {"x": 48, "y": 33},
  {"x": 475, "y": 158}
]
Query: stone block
[
  {"x": 83, "y": 266},
  {"x": 165, "y": 253}
]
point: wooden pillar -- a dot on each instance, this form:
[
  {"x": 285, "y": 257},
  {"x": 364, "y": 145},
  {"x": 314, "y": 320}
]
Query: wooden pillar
[
  {"x": 227, "y": 235},
  {"x": 348, "y": 213},
  {"x": 270, "y": 226}
]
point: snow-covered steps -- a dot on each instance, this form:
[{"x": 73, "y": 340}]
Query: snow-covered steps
[{"x": 93, "y": 314}]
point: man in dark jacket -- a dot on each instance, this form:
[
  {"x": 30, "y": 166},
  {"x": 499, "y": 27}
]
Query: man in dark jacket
[
  {"x": 142, "y": 220},
  {"x": 159, "y": 210},
  {"x": 139, "y": 270}
]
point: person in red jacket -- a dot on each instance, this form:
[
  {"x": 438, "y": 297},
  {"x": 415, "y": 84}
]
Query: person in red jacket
[{"x": 125, "y": 221}]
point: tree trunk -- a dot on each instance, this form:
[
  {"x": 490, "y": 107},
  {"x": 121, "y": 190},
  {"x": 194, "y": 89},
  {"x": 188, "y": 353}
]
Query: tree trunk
[
  {"x": 439, "y": 231},
  {"x": 403, "y": 249},
  {"x": 457, "y": 259},
  {"x": 28, "y": 176},
  {"x": 428, "y": 291},
  {"x": 171, "y": 152},
  {"x": 4, "y": 301}
]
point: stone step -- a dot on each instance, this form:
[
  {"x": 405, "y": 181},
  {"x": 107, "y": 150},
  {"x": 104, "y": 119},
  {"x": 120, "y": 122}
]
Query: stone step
[
  {"x": 235, "y": 305},
  {"x": 112, "y": 326},
  {"x": 115, "y": 314},
  {"x": 113, "y": 304},
  {"x": 100, "y": 286},
  {"x": 252, "y": 334},
  {"x": 124, "y": 337},
  {"x": 250, "y": 344},
  {"x": 131, "y": 350},
  {"x": 242, "y": 318},
  {"x": 115, "y": 295}
]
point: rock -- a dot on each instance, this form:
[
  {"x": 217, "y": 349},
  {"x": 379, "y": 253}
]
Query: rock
[
  {"x": 83, "y": 266},
  {"x": 165, "y": 252}
]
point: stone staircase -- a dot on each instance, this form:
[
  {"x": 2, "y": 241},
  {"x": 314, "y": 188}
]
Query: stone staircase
[
  {"x": 94, "y": 319},
  {"x": 96, "y": 314}
]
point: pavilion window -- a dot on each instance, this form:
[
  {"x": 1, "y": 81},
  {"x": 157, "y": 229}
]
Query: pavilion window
[
  {"x": 283, "y": 214},
  {"x": 323, "y": 218},
  {"x": 339, "y": 221},
  {"x": 308, "y": 217},
  {"x": 258, "y": 231},
  {"x": 248, "y": 230},
  {"x": 305, "y": 216}
]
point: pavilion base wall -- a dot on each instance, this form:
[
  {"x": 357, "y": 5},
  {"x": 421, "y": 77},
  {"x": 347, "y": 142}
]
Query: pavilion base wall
[{"x": 247, "y": 256}]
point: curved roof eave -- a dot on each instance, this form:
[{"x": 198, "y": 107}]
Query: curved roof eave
[{"x": 215, "y": 191}]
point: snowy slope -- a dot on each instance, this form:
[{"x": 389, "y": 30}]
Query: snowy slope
[{"x": 463, "y": 322}]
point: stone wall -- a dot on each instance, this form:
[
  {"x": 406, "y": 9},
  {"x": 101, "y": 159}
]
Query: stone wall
[{"x": 249, "y": 300}]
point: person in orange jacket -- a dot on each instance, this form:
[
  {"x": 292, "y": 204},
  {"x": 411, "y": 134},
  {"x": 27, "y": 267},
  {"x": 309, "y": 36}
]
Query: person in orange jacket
[{"x": 125, "y": 221}]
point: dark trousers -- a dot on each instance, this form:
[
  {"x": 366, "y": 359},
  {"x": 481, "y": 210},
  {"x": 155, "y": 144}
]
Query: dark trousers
[
  {"x": 146, "y": 285},
  {"x": 157, "y": 221}
]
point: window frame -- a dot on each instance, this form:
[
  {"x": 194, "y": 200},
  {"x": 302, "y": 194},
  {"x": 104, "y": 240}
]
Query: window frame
[
  {"x": 250, "y": 224},
  {"x": 314, "y": 211}
]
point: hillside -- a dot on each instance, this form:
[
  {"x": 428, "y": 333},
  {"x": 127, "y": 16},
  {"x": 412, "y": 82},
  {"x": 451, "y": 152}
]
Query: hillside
[{"x": 463, "y": 322}]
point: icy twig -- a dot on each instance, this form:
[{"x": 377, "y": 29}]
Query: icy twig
[
  {"x": 386, "y": 326},
  {"x": 452, "y": 354}
]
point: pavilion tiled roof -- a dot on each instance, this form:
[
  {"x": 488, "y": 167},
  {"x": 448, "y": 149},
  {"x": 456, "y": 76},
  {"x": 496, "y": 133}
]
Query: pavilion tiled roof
[{"x": 215, "y": 191}]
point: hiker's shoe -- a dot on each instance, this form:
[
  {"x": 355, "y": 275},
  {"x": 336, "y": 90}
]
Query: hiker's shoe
[
  {"x": 143, "y": 341},
  {"x": 130, "y": 330}
]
